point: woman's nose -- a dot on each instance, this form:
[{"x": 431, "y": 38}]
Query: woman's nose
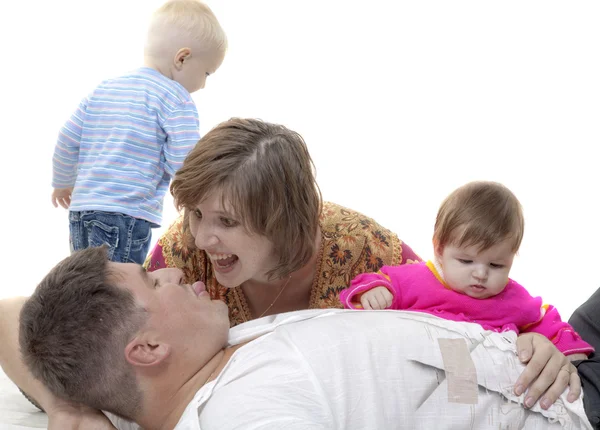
[{"x": 204, "y": 238}]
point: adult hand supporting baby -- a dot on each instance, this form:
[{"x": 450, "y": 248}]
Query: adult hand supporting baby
[{"x": 548, "y": 371}]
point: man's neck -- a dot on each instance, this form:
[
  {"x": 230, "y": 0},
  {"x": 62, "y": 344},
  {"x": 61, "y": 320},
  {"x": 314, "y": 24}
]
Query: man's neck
[{"x": 164, "y": 406}]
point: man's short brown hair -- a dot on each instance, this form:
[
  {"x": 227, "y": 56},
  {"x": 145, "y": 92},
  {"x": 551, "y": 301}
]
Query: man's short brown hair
[
  {"x": 479, "y": 213},
  {"x": 73, "y": 332},
  {"x": 266, "y": 173}
]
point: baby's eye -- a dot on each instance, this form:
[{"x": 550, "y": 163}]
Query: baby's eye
[
  {"x": 156, "y": 284},
  {"x": 463, "y": 261},
  {"x": 497, "y": 266}
]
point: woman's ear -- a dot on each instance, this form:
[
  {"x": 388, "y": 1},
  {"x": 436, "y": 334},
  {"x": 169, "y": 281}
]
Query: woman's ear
[{"x": 144, "y": 352}]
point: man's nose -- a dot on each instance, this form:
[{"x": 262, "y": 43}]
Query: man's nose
[{"x": 170, "y": 275}]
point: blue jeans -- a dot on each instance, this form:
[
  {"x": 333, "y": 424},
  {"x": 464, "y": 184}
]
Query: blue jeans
[{"x": 127, "y": 238}]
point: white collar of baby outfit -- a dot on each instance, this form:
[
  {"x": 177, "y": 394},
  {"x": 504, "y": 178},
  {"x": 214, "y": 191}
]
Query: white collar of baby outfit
[{"x": 438, "y": 267}]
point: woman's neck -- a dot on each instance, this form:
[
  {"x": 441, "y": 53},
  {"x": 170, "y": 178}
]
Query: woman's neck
[{"x": 283, "y": 295}]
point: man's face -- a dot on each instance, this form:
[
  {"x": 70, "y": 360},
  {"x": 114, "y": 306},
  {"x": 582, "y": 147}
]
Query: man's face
[{"x": 181, "y": 315}]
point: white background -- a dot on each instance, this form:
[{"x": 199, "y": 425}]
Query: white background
[{"x": 400, "y": 102}]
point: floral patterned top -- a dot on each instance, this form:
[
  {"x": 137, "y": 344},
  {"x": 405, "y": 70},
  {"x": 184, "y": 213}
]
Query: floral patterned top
[{"x": 351, "y": 244}]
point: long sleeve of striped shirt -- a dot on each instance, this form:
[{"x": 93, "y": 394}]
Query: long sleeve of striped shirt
[
  {"x": 182, "y": 135},
  {"x": 66, "y": 152}
]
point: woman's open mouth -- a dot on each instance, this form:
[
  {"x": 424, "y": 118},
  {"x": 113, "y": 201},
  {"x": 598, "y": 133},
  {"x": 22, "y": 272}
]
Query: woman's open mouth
[{"x": 223, "y": 263}]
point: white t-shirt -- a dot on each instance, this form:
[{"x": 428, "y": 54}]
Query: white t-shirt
[{"x": 357, "y": 370}]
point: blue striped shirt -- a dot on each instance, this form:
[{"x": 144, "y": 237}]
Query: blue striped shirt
[{"x": 124, "y": 143}]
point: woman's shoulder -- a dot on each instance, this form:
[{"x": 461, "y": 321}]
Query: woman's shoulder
[
  {"x": 337, "y": 218},
  {"x": 379, "y": 244},
  {"x": 352, "y": 243}
]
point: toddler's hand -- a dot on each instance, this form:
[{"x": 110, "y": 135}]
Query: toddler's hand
[
  {"x": 62, "y": 196},
  {"x": 377, "y": 298}
]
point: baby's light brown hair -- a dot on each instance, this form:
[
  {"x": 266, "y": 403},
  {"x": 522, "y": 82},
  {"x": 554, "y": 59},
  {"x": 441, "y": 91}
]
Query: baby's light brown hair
[{"x": 479, "y": 214}]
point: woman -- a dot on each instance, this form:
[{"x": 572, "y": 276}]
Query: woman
[{"x": 255, "y": 230}]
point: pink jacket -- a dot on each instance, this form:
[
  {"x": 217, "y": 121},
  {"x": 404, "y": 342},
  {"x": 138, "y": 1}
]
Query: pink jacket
[{"x": 419, "y": 287}]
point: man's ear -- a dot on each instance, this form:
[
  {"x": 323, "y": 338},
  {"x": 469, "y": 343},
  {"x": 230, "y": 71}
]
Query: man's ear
[
  {"x": 143, "y": 351},
  {"x": 181, "y": 57}
]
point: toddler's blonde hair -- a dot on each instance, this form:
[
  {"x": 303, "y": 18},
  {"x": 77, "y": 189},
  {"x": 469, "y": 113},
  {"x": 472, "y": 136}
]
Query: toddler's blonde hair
[{"x": 184, "y": 23}]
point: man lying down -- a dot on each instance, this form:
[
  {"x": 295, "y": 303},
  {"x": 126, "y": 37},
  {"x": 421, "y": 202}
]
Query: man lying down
[{"x": 147, "y": 349}]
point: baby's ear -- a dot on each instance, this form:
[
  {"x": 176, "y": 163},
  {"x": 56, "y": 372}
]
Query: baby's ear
[{"x": 181, "y": 57}]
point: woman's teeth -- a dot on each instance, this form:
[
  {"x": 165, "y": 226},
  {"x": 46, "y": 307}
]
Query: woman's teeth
[{"x": 220, "y": 256}]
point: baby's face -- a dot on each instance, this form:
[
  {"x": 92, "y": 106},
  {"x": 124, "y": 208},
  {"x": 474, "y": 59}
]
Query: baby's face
[
  {"x": 475, "y": 273},
  {"x": 197, "y": 68}
]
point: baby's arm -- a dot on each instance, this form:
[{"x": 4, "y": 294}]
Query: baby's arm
[
  {"x": 377, "y": 298},
  {"x": 562, "y": 335},
  {"x": 66, "y": 152},
  {"x": 183, "y": 133},
  {"x": 371, "y": 291}
]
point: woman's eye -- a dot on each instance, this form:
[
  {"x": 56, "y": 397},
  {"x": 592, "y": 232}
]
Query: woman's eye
[
  {"x": 197, "y": 213},
  {"x": 228, "y": 222}
]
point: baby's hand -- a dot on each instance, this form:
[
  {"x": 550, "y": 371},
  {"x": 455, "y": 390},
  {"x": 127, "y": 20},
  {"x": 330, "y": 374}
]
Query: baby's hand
[
  {"x": 62, "y": 196},
  {"x": 377, "y": 298}
]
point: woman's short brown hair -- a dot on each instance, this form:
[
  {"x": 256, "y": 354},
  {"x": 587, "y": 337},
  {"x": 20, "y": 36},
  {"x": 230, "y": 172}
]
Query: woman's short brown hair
[
  {"x": 479, "y": 213},
  {"x": 267, "y": 175}
]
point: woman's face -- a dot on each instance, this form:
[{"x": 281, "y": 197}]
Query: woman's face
[{"x": 236, "y": 254}]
